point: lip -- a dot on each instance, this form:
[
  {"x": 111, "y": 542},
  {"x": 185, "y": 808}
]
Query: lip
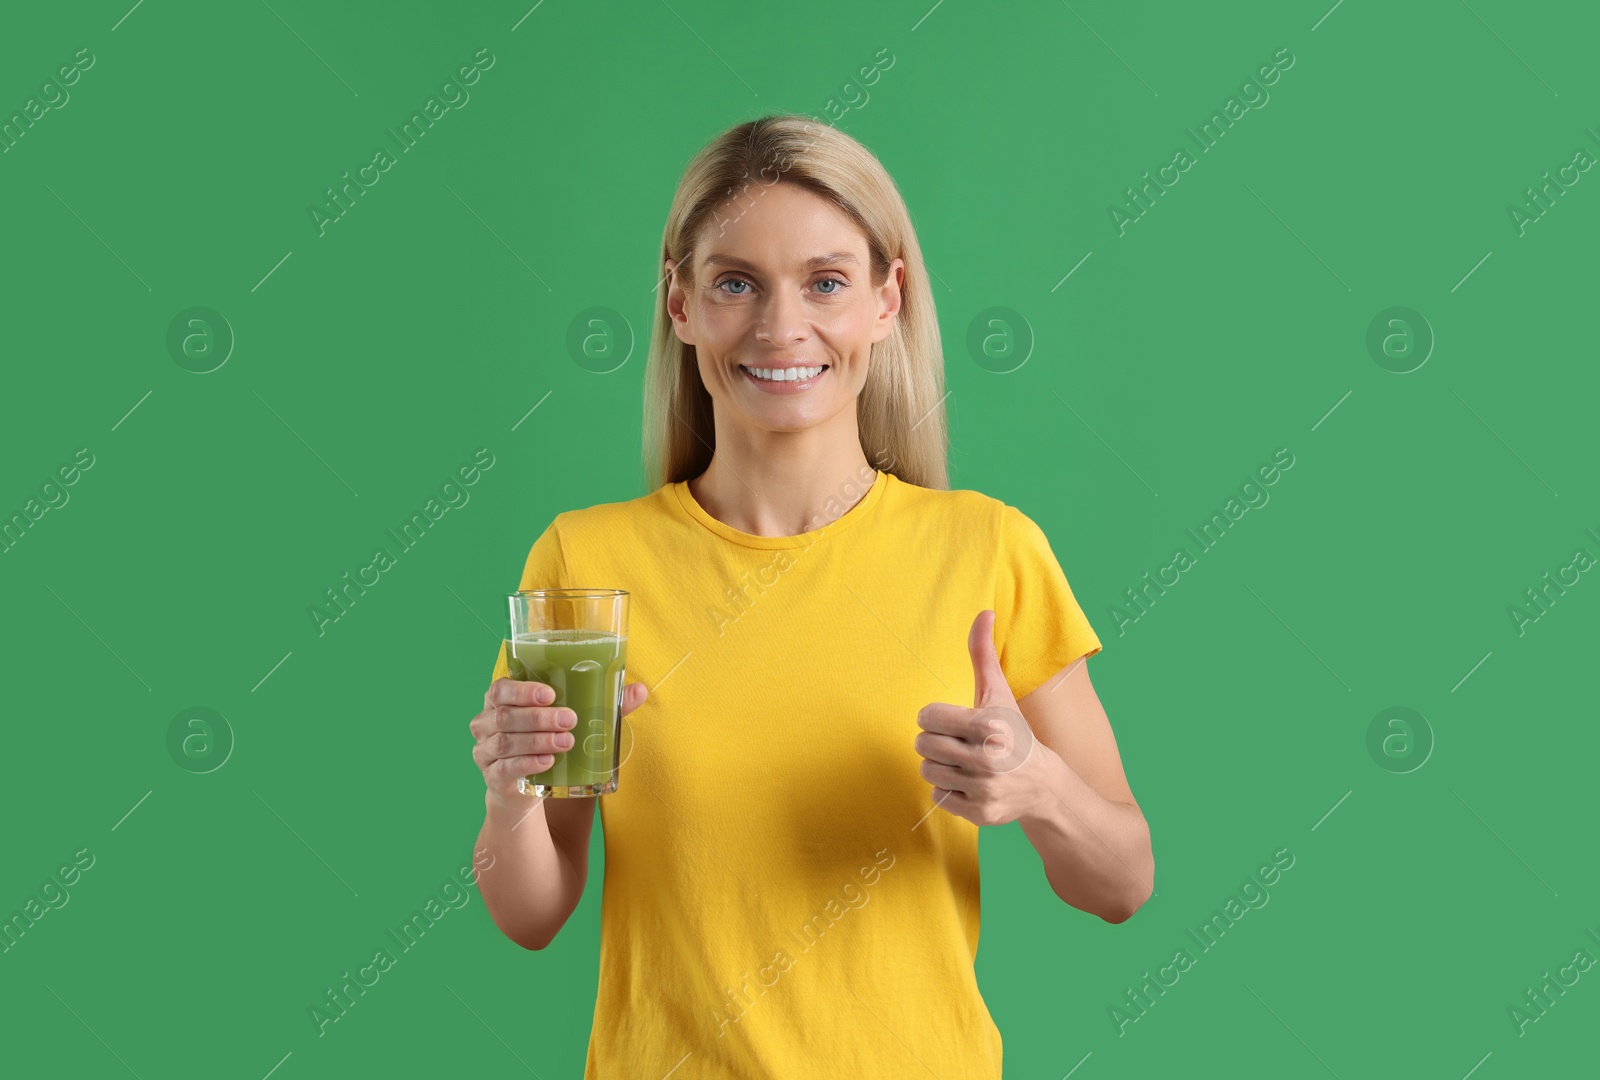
[{"x": 785, "y": 387}]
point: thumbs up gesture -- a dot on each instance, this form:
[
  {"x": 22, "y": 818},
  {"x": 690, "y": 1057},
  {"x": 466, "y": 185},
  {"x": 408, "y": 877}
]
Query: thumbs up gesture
[{"x": 984, "y": 763}]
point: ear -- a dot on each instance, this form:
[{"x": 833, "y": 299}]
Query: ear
[
  {"x": 889, "y": 300},
  {"x": 677, "y": 301}
]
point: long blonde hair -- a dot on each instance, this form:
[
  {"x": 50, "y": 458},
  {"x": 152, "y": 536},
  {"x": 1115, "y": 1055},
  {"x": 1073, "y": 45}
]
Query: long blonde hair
[{"x": 900, "y": 411}]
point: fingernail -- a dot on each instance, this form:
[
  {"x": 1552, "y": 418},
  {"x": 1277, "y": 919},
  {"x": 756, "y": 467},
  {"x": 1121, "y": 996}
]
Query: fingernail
[
  {"x": 545, "y": 695},
  {"x": 566, "y": 719},
  {"x": 564, "y": 741}
]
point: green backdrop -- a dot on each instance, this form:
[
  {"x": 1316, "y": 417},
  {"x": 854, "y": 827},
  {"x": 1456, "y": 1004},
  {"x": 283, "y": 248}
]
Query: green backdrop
[{"x": 1381, "y": 264}]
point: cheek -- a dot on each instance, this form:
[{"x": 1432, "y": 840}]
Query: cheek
[
  {"x": 720, "y": 327},
  {"x": 850, "y": 329},
  {"x": 846, "y": 318},
  {"x": 710, "y": 373}
]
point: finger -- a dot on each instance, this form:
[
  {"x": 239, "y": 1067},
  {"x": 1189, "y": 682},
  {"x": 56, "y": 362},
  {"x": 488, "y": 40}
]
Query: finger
[
  {"x": 507, "y": 770},
  {"x": 945, "y": 776},
  {"x": 520, "y": 692},
  {"x": 944, "y": 748},
  {"x": 524, "y": 718},
  {"x": 523, "y": 743},
  {"x": 957, "y": 720},
  {"x": 1004, "y": 751},
  {"x": 957, "y": 803},
  {"x": 485, "y": 758},
  {"x": 945, "y": 799},
  {"x": 634, "y": 695}
]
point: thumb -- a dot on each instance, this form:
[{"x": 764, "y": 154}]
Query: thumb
[
  {"x": 989, "y": 681},
  {"x": 633, "y": 695}
]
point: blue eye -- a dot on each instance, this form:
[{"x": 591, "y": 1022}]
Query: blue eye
[{"x": 839, "y": 285}]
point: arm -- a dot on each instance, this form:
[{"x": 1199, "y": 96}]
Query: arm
[
  {"x": 542, "y": 847},
  {"x": 1050, "y": 763},
  {"x": 1089, "y": 832}
]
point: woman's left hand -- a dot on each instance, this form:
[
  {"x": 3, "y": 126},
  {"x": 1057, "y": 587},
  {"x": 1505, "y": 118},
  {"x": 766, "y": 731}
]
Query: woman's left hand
[{"x": 984, "y": 763}]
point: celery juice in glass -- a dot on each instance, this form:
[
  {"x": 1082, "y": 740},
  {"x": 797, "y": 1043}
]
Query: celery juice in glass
[{"x": 575, "y": 642}]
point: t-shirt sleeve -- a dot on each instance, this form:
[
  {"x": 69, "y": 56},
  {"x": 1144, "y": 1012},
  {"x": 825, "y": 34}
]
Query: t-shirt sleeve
[
  {"x": 1038, "y": 626},
  {"x": 546, "y": 568}
]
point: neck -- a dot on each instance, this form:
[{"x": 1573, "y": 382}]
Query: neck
[{"x": 782, "y": 483}]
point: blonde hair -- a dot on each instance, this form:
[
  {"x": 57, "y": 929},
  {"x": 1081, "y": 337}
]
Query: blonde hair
[{"x": 900, "y": 411}]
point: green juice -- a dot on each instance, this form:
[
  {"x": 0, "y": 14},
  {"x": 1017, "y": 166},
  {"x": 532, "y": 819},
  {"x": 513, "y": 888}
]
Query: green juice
[{"x": 585, "y": 668}]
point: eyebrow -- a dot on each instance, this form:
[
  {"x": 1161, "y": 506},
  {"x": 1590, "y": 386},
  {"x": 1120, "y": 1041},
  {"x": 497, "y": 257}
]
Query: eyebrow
[{"x": 813, "y": 263}]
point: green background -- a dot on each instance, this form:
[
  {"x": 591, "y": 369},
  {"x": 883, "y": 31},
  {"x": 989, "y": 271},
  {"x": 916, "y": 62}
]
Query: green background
[{"x": 371, "y": 362}]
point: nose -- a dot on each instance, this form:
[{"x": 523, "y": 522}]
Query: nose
[{"x": 782, "y": 319}]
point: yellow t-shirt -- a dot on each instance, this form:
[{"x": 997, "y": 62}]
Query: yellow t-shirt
[{"x": 778, "y": 900}]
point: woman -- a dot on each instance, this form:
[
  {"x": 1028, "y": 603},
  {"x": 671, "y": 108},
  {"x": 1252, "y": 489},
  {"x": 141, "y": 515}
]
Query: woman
[{"x": 791, "y": 856}]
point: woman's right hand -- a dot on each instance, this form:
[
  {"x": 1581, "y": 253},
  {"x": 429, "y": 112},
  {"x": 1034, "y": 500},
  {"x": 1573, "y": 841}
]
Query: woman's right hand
[{"x": 519, "y": 732}]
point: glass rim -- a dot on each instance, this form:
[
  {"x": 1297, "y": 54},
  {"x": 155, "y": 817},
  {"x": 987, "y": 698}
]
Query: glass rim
[{"x": 568, "y": 593}]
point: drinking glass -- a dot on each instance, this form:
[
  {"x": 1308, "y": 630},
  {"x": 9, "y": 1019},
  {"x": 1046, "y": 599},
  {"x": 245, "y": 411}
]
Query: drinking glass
[{"x": 576, "y": 642}]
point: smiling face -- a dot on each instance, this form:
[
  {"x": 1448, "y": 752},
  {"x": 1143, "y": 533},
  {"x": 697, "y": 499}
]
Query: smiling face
[{"x": 784, "y": 289}]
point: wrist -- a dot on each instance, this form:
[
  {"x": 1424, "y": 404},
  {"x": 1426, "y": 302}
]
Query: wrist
[
  {"x": 1045, "y": 809},
  {"x": 509, "y": 811}
]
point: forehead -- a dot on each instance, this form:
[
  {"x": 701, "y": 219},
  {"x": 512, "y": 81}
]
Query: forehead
[{"x": 780, "y": 227}]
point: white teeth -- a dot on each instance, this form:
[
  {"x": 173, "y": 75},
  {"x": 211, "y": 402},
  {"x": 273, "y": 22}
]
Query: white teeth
[{"x": 794, "y": 374}]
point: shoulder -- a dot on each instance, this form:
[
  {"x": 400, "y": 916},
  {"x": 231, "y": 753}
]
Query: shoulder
[
  {"x": 961, "y": 509},
  {"x": 953, "y": 501},
  {"x": 971, "y": 518},
  {"x": 609, "y": 517}
]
